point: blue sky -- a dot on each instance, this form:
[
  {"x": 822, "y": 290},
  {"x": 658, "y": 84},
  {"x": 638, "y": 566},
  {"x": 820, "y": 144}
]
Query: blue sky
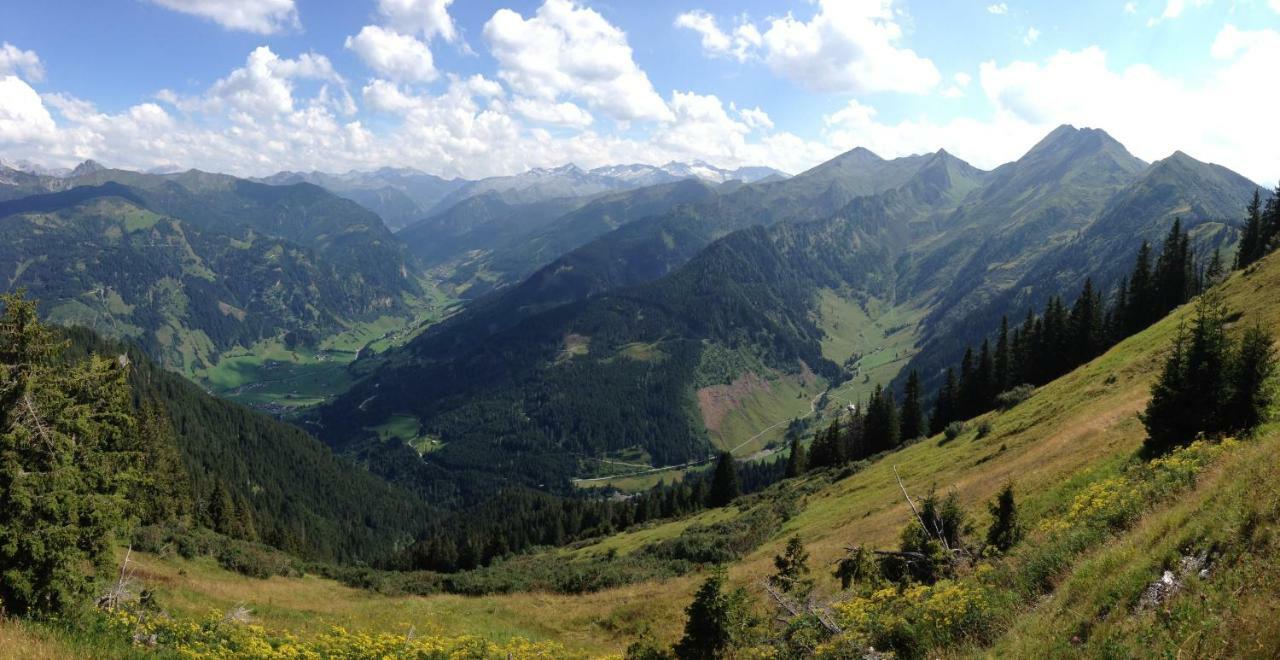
[{"x": 480, "y": 87}]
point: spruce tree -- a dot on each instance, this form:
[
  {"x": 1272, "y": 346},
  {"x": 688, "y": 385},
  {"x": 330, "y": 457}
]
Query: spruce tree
[
  {"x": 911, "y": 415},
  {"x": 724, "y": 482},
  {"x": 1250, "y": 247},
  {"x": 1005, "y": 530},
  {"x": 1141, "y": 308},
  {"x": 882, "y": 431},
  {"x": 1003, "y": 371},
  {"x": 715, "y": 621},
  {"x": 1252, "y": 367},
  {"x": 985, "y": 378},
  {"x": 793, "y": 569},
  {"x": 66, "y": 466},
  {"x": 944, "y": 407},
  {"x": 796, "y": 462}
]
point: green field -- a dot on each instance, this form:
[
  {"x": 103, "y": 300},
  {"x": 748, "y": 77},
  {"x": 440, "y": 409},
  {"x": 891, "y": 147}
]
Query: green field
[{"x": 275, "y": 378}]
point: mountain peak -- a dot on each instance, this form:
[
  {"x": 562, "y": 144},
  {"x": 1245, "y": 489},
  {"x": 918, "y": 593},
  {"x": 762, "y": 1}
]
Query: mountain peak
[{"x": 87, "y": 167}]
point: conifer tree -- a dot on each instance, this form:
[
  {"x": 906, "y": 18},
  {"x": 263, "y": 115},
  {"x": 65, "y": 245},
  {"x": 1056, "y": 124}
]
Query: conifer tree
[
  {"x": 911, "y": 416},
  {"x": 1250, "y": 247},
  {"x": 882, "y": 431},
  {"x": 1140, "y": 311},
  {"x": 66, "y": 465},
  {"x": 793, "y": 569},
  {"x": 1252, "y": 367},
  {"x": 724, "y": 482},
  {"x": 945, "y": 406},
  {"x": 985, "y": 379},
  {"x": 1003, "y": 373},
  {"x": 1214, "y": 272},
  {"x": 715, "y": 620},
  {"x": 796, "y": 463},
  {"x": 1005, "y": 530}
]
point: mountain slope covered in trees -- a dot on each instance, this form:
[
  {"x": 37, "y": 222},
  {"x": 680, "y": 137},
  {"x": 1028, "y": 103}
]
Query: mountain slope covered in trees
[{"x": 192, "y": 264}]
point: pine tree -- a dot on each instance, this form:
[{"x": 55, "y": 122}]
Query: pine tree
[
  {"x": 986, "y": 380},
  {"x": 1005, "y": 530},
  {"x": 882, "y": 430},
  {"x": 911, "y": 415},
  {"x": 1141, "y": 309},
  {"x": 715, "y": 621},
  {"x": 1086, "y": 325},
  {"x": 827, "y": 449},
  {"x": 1250, "y": 248},
  {"x": 1174, "y": 271},
  {"x": 796, "y": 462},
  {"x": 1252, "y": 366},
  {"x": 66, "y": 466},
  {"x": 944, "y": 407},
  {"x": 1214, "y": 272},
  {"x": 1003, "y": 369},
  {"x": 724, "y": 482},
  {"x": 1189, "y": 395},
  {"x": 793, "y": 569}
]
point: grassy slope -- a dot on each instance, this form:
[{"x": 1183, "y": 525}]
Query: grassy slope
[{"x": 1073, "y": 432}]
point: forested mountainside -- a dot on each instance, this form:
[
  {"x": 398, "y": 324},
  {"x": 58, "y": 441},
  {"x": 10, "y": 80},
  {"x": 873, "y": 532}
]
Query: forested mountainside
[
  {"x": 215, "y": 464},
  {"x": 546, "y": 370},
  {"x": 192, "y": 264}
]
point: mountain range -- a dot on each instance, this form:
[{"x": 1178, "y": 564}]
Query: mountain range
[{"x": 643, "y": 341}]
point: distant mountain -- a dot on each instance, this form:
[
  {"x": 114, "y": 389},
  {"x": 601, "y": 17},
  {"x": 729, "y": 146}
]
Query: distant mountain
[
  {"x": 400, "y": 196},
  {"x": 542, "y": 184},
  {"x": 726, "y": 292},
  {"x": 189, "y": 265}
]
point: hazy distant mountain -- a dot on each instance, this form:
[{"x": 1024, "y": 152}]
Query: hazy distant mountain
[{"x": 400, "y": 196}]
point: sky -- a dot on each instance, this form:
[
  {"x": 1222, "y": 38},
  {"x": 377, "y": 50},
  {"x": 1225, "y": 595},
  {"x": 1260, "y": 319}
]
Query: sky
[{"x": 477, "y": 88}]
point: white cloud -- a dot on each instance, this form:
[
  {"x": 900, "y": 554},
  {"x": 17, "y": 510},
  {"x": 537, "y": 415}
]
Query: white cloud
[
  {"x": 259, "y": 16},
  {"x": 1131, "y": 8},
  {"x": 755, "y": 118},
  {"x": 1275, "y": 6},
  {"x": 23, "y": 117},
  {"x": 1031, "y": 36},
  {"x": 1173, "y": 9},
  {"x": 848, "y": 47},
  {"x": 394, "y": 55},
  {"x": 426, "y": 17},
  {"x": 566, "y": 50},
  {"x": 25, "y": 63},
  {"x": 549, "y": 112},
  {"x": 264, "y": 86},
  {"x": 961, "y": 81},
  {"x": 739, "y": 45},
  {"x": 999, "y": 8}
]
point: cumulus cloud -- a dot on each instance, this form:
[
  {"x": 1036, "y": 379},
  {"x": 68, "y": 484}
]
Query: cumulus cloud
[
  {"x": 549, "y": 112},
  {"x": 430, "y": 18},
  {"x": 569, "y": 51},
  {"x": 1031, "y": 36},
  {"x": 999, "y": 8},
  {"x": 395, "y": 55},
  {"x": 23, "y": 117},
  {"x": 846, "y": 47},
  {"x": 264, "y": 85},
  {"x": 739, "y": 45},
  {"x": 26, "y": 63},
  {"x": 755, "y": 118},
  {"x": 1131, "y": 8},
  {"x": 259, "y": 16}
]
